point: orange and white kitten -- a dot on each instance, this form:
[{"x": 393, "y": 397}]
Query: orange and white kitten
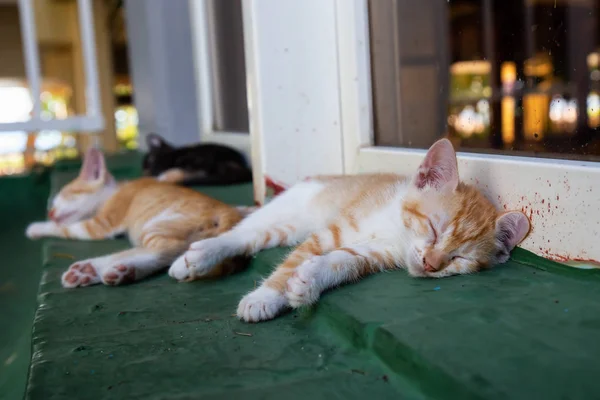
[
  {"x": 160, "y": 218},
  {"x": 351, "y": 226}
]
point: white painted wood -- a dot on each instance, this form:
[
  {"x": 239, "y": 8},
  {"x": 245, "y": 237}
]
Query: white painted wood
[
  {"x": 253, "y": 87},
  {"x": 93, "y": 120},
  {"x": 201, "y": 52},
  {"x": 291, "y": 49},
  {"x": 355, "y": 78},
  {"x": 90, "y": 63},
  {"x": 76, "y": 124},
  {"x": 31, "y": 52}
]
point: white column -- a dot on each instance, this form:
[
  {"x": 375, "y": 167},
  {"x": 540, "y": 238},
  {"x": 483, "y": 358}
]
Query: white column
[{"x": 294, "y": 91}]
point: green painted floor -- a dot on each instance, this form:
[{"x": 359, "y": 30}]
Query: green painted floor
[{"x": 524, "y": 330}]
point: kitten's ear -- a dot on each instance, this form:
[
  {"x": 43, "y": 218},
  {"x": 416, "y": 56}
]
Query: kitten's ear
[
  {"x": 511, "y": 228},
  {"x": 439, "y": 168},
  {"x": 94, "y": 167},
  {"x": 155, "y": 141}
]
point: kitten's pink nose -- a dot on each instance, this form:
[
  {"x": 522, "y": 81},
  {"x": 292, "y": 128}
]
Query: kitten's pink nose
[
  {"x": 433, "y": 260},
  {"x": 52, "y": 214},
  {"x": 428, "y": 267}
]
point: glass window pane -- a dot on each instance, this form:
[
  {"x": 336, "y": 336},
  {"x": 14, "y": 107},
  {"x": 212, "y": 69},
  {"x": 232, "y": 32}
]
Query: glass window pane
[{"x": 510, "y": 76}]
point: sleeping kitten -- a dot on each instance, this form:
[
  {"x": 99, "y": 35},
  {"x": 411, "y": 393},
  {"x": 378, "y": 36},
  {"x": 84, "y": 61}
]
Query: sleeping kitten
[
  {"x": 352, "y": 226},
  {"x": 200, "y": 164},
  {"x": 161, "y": 219}
]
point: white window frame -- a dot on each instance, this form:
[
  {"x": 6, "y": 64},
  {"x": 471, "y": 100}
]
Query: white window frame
[
  {"x": 200, "y": 39},
  {"x": 558, "y": 195},
  {"x": 93, "y": 120},
  {"x": 293, "y": 139}
]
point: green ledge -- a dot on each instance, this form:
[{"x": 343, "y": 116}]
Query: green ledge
[
  {"x": 22, "y": 200},
  {"x": 525, "y": 329}
]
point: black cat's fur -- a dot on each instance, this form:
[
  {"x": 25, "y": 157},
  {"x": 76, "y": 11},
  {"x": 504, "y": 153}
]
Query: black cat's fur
[{"x": 201, "y": 164}]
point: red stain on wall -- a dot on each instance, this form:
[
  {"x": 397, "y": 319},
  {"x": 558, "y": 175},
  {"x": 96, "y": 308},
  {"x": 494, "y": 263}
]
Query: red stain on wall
[
  {"x": 565, "y": 258},
  {"x": 541, "y": 207}
]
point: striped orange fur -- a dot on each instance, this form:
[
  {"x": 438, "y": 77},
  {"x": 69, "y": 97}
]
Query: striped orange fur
[{"x": 347, "y": 227}]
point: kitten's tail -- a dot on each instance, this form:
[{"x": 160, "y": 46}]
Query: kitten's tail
[
  {"x": 199, "y": 178},
  {"x": 173, "y": 175}
]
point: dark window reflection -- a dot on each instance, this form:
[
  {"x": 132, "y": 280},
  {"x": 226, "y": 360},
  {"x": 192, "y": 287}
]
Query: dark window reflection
[
  {"x": 228, "y": 67},
  {"x": 494, "y": 75}
]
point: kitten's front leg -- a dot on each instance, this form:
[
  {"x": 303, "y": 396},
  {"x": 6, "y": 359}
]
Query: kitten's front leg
[
  {"x": 89, "y": 229},
  {"x": 346, "y": 264},
  {"x": 42, "y": 229},
  {"x": 202, "y": 256}
]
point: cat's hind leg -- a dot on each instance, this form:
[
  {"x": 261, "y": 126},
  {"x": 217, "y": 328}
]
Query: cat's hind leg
[
  {"x": 269, "y": 299},
  {"x": 308, "y": 271},
  {"x": 346, "y": 264},
  {"x": 124, "y": 267},
  {"x": 139, "y": 263},
  {"x": 114, "y": 269},
  {"x": 131, "y": 265},
  {"x": 286, "y": 221}
]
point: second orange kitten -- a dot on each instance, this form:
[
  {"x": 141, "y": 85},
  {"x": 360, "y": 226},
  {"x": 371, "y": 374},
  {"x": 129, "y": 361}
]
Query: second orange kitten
[{"x": 160, "y": 218}]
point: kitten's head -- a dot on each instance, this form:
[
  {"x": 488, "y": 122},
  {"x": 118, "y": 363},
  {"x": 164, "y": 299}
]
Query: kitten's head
[
  {"x": 159, "y": 157},
  {"x": 454, "y": 229},
  {"x": 82, "y": 197}
]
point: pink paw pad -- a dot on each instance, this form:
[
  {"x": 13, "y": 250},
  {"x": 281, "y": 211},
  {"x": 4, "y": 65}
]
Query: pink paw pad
[
  {"x": 119, "y": 275},
  {"x": 80, "y": 274}
]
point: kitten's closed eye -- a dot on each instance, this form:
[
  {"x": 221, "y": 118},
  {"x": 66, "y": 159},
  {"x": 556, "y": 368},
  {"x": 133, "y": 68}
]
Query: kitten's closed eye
[{"x": 435, "y": 236}]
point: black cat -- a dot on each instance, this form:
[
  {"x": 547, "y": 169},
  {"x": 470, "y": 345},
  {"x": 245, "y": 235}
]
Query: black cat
[{"x": 199, "y": 164}]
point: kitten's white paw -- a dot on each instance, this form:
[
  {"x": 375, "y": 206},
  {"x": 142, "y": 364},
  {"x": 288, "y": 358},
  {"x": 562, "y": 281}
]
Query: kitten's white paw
[
  {"x": 303, "y": 288},
  {"x": 179, "y": 269},
  {"x": 82, "y": 273},
  {"x": 37, "y": 230},
  {"x": 118, "y": 275},
  {"x": 262, "y": 304},
  {"x": 204, "y": 255}
]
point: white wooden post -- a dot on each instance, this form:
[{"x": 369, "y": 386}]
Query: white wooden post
[{"x": 293, "y": 88}]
